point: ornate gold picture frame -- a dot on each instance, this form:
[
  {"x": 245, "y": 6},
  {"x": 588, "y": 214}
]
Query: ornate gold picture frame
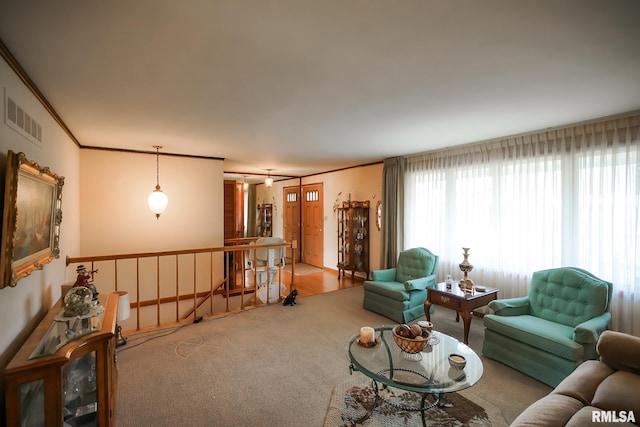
[{"x": 31, "y": 218}]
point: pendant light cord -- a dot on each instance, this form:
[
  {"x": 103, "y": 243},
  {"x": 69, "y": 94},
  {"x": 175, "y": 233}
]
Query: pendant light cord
[{"x": 157, "y": 147}]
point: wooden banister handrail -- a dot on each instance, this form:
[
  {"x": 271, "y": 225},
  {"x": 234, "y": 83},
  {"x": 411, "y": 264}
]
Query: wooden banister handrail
[
  {"x": 237, "y": 240},
  {"x": 231, "y": 248}
]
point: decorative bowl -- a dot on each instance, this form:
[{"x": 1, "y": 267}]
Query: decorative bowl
[
  {"x": 457, "y": 361},
  {"x": 409, "y": 345},
  {"x": 426, "y": 325}
]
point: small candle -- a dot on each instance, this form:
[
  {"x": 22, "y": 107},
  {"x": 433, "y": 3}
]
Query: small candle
[{"x": 367, "y": 335}]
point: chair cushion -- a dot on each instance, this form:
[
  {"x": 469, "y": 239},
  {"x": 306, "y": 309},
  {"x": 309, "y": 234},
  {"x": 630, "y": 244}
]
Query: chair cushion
[
  {"x": 270, "y": 255},
  {"x": 395, "y": 291},
  {"x": 414, "y": 263},
  {"x": 550, "y": 411},
  {"x": 614, "y": 393},
  {"x": 584, "y": 382},
  {"x": 543, "y": 334},
  {"x": 567, "y": 296}
]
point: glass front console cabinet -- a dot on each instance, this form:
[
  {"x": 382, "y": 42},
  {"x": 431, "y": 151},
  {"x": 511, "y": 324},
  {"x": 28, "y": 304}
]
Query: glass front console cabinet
[
  {"x": 65, "y": 373},
  {"x": 353, "y": 238}
]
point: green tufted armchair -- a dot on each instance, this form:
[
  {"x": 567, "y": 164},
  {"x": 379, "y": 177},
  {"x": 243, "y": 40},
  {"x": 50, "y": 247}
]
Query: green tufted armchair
[
  {"x": 399, "y": 293},
  {"x": 548, "y": 333}
]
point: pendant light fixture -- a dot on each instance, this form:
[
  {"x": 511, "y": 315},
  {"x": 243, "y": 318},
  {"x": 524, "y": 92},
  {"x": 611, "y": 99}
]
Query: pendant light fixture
[
  {"x": 268, "y": 181},
  {"x": 157, "y": 200}
]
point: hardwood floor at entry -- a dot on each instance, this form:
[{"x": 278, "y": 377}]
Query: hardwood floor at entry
[{"x": 318, "y": 283}]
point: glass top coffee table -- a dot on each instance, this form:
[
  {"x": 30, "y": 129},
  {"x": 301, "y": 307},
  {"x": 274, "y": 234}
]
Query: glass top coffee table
[{"x": 432, "y": 376}]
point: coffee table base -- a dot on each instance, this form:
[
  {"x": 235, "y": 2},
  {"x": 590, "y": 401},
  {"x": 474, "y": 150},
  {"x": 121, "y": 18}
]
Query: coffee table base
[{"x": 438, "y": 400}]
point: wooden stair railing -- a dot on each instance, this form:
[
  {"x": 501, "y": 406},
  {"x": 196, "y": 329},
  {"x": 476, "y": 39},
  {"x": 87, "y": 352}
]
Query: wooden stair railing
[{"x": 225, "y": 281}]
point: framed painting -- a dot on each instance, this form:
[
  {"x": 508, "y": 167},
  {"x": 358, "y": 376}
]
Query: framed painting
[{"x": 31, "y": 218}]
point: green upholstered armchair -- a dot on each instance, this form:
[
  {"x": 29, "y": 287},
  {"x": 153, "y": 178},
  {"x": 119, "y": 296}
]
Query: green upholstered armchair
[
  {"x": 399, "y": 293},
  {"x": 548, "y": 333}
]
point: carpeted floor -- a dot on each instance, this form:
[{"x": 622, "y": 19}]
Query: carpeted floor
[
  {"x": 351, "y": 400},
  {"x": 273, "y": 365}
]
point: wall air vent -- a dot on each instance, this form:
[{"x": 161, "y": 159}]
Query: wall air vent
[{"x": 22, "y": 122}]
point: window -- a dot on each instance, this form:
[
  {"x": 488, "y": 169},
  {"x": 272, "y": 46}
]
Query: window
[{"x": 532, "y": 203}]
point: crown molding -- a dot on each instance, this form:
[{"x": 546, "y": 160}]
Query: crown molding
[{"x": 17, "y": 68}]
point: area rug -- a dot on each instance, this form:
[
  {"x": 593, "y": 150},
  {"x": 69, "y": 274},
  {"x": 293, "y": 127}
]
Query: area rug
[
  {"x": 351, "y": 399},
  {"x": 303, "y": 269}
]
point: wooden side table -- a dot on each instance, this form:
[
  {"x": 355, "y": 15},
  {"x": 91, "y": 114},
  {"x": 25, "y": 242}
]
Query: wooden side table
[{"x": 456, "y": 299}]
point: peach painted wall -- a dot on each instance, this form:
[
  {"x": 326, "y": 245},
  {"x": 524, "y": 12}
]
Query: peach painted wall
[{"x": 114, "y": 214}]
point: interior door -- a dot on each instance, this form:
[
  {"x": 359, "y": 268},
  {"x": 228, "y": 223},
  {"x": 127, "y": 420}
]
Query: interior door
[
  {"x": 312, "y": 225},
  {"x": 233, "y": 225},
  {"x": 233, "y": 209},
  {"x": 229, "y": 209},
  {"x": 291, "y": 220},
  {"x": 239, "y": 210}
]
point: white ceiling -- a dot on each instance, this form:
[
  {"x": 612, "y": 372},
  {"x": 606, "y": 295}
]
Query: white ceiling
[{"x": 306, "y": 86}]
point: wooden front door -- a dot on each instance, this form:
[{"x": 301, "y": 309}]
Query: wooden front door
[
  {"x": 291, "y": 219},
  {"x": 312, "y": 225}
]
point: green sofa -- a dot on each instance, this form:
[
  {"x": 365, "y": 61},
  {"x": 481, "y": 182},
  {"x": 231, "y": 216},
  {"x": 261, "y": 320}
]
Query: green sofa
[
  {"x": 399, "y": 293},
  {"x": 548, "y": 333}
]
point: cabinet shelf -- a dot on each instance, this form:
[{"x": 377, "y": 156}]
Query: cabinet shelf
[{"x": 263, "y": 220}]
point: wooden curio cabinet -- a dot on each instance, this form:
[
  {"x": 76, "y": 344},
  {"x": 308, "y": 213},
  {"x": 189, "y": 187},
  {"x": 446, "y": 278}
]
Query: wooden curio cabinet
[
  {"x": 65, "y": 373},
  {"x": 353, "y": 238},
  {"x": 264, "y": 220}
]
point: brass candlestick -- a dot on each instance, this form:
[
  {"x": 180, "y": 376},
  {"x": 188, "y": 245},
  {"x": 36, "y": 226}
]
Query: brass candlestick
[{"x": 466, "y": 284}]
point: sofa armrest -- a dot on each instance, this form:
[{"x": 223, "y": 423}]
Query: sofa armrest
[
  {"x": 620, "y": 351},
  {"x": 388, "y": 275},
  {"x": 510, "y": 306},
  {"x": 589, "y": 332},
  {"x": 420, "y": 283}
]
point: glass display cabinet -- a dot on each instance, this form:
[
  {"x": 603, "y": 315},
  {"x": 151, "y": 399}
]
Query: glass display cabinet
[
  {"x": 264, "y": 220},
  {"x": 353, "y": 238},
  {"x": 65, "y": 373}
]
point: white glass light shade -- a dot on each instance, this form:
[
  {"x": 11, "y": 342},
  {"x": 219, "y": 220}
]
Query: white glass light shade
[
  {"x": 157, "y": 201},
  {"x": 268, "y": 181},
  {"x": 124, "y": 306}
]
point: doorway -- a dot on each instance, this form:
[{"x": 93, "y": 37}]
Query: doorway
[{"x": 313, "y": 225}]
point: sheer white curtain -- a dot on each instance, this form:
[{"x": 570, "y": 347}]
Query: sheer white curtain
[{"x": 567, "y": 197}]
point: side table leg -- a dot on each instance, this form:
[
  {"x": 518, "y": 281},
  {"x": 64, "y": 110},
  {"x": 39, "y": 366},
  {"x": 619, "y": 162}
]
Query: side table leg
[
  {"x": 466, "y": 319},
  {"x": 427, "y": 310}
]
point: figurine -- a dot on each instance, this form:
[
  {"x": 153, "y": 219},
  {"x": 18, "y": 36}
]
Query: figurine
[{"x": 84, "y": 279}]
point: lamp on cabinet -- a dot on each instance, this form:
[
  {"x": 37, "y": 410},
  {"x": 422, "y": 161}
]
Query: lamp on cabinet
[{"x": 124, "y": 311}]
